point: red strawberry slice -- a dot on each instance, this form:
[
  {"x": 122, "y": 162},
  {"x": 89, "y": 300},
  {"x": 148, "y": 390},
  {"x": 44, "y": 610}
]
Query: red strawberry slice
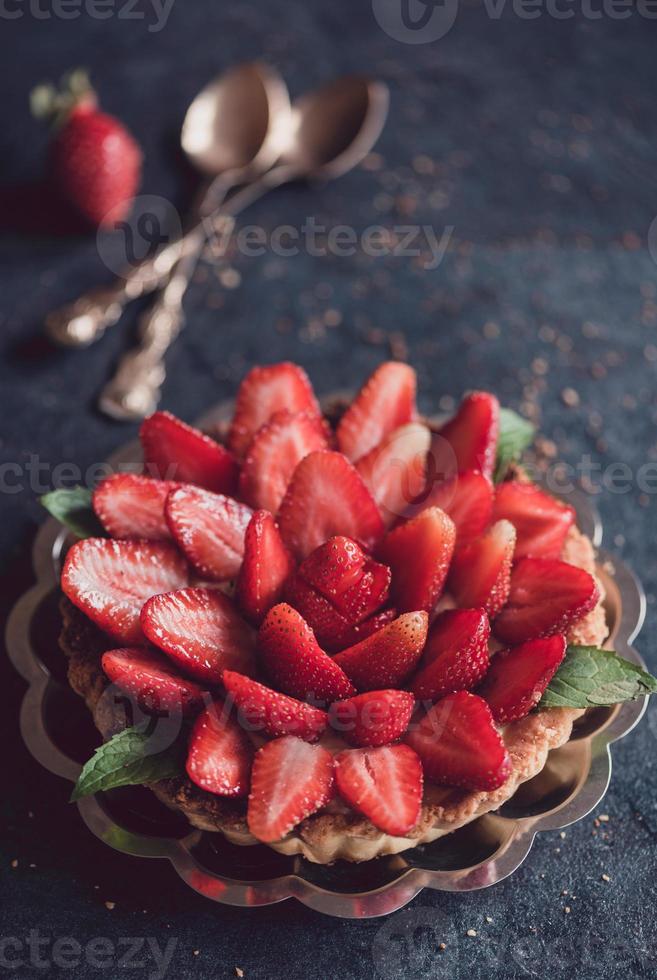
[
  {"x": 132, "y": 506},
  {"x": 387, "y": 657},
  {"x": 480, "y": 574},
  {"x": 546, "y": 596},
  {"x": 332, "y": 630},
  {"x": 209, "y": 529},
  {"x": 174, "y": 450},
  {"x": 469, "y": 440},
  {"x": 265, "y": 711},
  {"x": 111, "y": 580},
  {"x": 202, "y": 631},
  {"x": 373, "y": 718},
  {"x": 151, "y": 680},
  {"x": 348, "y": 578},
  {"x": 266, "y": 566},
  {"x": 326, "y": 496},
  {"x": 518, "y": 677},
  {"x": 386, "y": 401},
  {"x": 542, "y": 523},
  {"x": 273, "y": 456},
  {"x": 459, "y": 744},
  {"x": 265, "y": 390},
  {"x": 394, "y": 471},
  {"x": 294, "y": 660},
  {"x": 220, "y": 754},
  {"x": 290, "y": 781},
  {"x": 456, "y": 655},
  {"x": 466, "y": 498},
  {"x": 418, "y": 553},
  {"x": 384, "y": 784}
]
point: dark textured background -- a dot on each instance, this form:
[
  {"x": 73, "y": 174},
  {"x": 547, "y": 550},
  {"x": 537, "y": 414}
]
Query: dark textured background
[{"x": 536, "y": 140}]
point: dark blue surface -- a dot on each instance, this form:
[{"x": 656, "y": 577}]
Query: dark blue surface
[{"x": 541, "y": 138}]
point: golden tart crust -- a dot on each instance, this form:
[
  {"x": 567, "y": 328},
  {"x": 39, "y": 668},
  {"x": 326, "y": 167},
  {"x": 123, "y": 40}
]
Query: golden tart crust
[{"x": 338, "y": 832}]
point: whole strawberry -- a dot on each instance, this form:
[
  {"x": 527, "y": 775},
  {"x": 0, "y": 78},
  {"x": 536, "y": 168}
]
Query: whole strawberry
[{"x": 95, "y": 162}]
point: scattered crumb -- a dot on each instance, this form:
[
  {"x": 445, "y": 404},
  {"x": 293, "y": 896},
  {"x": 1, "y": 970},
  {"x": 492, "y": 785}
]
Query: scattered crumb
[
  {"x": 489, "y": 918},
  {"x": 33, "y": 865},
  {"x": 567, "y": 909},
  {"x": 442, "y": 947},
  {"x": 14, "y": 863},
  {"x": 471, "y": 932},
  {"x": 606, "y": 878},
  {"x": 603, "y": 817},
  {"x": 562, "y": 835},
  {"x": 239, "y": 972},
  {"x": 565, "y": 891},
  {"x": 570, "y": 397},
  {"x": 196, "y": 952},
  {"x": 110, "y": 905}
]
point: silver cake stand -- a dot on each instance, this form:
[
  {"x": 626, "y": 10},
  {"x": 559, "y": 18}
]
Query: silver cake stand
[{"x": 57, "y": 730}]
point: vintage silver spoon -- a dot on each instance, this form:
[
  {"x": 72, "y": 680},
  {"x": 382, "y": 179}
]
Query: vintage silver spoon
[{"x": 330, "y": 131}]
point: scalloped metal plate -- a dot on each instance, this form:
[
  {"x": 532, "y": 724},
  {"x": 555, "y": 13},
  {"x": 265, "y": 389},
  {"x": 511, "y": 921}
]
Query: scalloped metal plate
[{"x": 573, "y": 782}]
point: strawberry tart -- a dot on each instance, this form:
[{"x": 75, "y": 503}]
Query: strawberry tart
[{"x": 360, "y": 631}]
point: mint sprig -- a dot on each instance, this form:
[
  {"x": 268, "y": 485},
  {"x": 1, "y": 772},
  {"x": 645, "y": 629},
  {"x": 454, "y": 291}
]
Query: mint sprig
[
  {"x": 516, "y": 434},
  {"x": 130, "y": 758},
  {"x": 74, "y": 509},
  {"x": 589, "y": 677}
]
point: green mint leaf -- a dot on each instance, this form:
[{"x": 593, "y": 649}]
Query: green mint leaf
[
  {"x": 589, "y": 677},
  {"x": 128, "y": 759},
  {"x": 515, "y": 435},
  {"x": 74, "y": 509}
]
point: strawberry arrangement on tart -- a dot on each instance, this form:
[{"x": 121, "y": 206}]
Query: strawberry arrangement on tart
[{"x": 359, "y": 633}]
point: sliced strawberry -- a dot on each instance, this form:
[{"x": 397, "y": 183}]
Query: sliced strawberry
[
  {"x": 290, "y": 781},
  {"x": 373, "y": 718},
  {"x": 459, "y": 744},
  {"x": 202, "y": 631},
  {"x": 350, "y": 580},
  {"x": 394, "y": 471},
  {"x": 326, "y": 496},
  {"x": 332, "y": 630},
  {"x": 273, "y": 456},
  {"x": 110, "y": 581},
  {"x": 469, "y": 440},
  {"x": 220, "y": 754},
  {"x": 386, "y": 401},
  {"x": 387, "y": 657},
  {"x": 132, "y": 506},
  {"x": 372, "y": 625},
  {"x": 518, "y": 677},
  {"x": 265, "y": 390},
  {"x": 265, "y": 711},
  {"x": 466, "y": 498},
  {"x": 384, "y": 784},
  {"x": 456, "y": 655},
  {"x": 546, "y": 596},
  {"x": 151, "y": 680},
  {"x": 418, "y": 553},
  {"x": 480, "y": 574},
  {"x": 266, "y": 566},
  {"x": 174, "y": 450},
  {"x": 209, "y": 528},
  {"x": 542, "y": 523},
  {"x": 294, "y": 660}
]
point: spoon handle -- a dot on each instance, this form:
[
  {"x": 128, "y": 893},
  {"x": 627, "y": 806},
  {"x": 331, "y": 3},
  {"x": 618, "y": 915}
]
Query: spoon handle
[
  {"x": 135, "y": 389},
  {"x": 84, "y": 321}
]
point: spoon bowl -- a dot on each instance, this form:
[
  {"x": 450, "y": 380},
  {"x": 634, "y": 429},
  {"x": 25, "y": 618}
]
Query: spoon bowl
[
  {"x": 333, "y": 128},
  {"x": 233, "y": 123}
]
